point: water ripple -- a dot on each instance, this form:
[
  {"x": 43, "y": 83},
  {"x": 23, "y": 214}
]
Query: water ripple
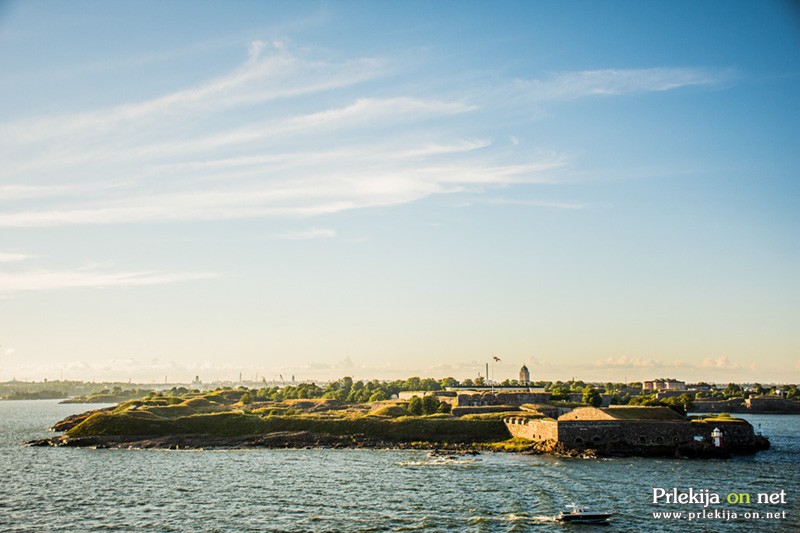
[{"x": 47, "y": 489}]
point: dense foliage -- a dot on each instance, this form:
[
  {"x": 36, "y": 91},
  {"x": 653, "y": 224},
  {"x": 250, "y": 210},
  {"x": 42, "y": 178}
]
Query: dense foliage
[{"x": 349, "y": 391}]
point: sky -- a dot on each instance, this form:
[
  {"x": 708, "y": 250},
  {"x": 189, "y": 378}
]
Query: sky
[{"x": 599, "y": 190}]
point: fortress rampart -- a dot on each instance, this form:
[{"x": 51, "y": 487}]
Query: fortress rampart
[{"x": 589, "y": 428}]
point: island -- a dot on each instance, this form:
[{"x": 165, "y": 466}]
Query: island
[{"x": 460, "y": 421}]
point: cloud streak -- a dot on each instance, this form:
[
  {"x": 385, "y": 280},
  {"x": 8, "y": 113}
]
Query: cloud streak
[
  {"x": 615, "y": 82},
  {"x": 41, "y": 280},
  {"x": 271, "y": 73},
  {"x": 313, "y": 233},
  {"x": 8, "y": 257},
  {"x": 274, "y": 137},
  {"x": 709, "y": 363}
]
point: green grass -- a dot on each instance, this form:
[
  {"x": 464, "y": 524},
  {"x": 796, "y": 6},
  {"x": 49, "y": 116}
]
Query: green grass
[
  {"x": 402, "y": 429},
  {"x": 203, "y": 405},
  {"x": 141, "y": 403},
  {"x": 501, "y": 415},
  {"x": 721, "y": 418},
  {"x": 127, "y": 423},
  {"x": 391, "y": 411},
  {"x": 512, "y": 445},
  {"x": 226, "y": 397},
  {"x": 169, "y": 411}
]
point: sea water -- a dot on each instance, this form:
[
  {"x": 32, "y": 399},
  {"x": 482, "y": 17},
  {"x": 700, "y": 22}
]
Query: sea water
[{"x": 70, "y": 489}]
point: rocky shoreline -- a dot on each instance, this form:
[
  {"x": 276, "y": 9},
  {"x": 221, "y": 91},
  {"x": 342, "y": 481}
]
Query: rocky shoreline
[
  {"x": 282, "y": 439},
  {"x": 290, "y": 440},
  {"x": 309, "y": 440}
]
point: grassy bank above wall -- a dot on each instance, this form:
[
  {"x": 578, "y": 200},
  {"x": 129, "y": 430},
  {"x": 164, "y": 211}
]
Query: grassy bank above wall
[{"x": 404, "y": 429}]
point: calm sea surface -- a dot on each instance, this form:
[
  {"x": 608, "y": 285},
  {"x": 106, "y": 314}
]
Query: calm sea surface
[{"x": 50, "y": 489}]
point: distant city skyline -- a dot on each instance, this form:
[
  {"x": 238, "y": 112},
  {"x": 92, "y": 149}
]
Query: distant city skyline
[{"x": 604, "y": 191}]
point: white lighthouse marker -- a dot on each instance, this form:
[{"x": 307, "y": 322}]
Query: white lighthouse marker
[{"x": 716, "y": 436}]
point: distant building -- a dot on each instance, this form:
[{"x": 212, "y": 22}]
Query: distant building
[
  {"x": 664, "y": 384},
  {"x": 524, "y": 375}
]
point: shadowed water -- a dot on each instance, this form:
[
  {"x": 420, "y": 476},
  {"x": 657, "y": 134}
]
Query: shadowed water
[{"x": 65, "y": 489}]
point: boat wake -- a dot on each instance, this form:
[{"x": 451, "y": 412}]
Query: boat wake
[
  {"x": 513, "y": 519},
  {"x": 438, "y": 462}
]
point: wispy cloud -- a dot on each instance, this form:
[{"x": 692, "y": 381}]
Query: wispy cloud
[
  {"x": 8, "y": 257},
  {"x": 138, "y": 369},
  {"x": 275, "y": 137},
  {"x": 26, "y": 192},
  {"x": 709, "y": 363},
  {"x": 608, "y": 82},
  {"x": 624, "y": 361},
  {"x": 538, "y": 203},
  {"x": 313, "y": 233},
  {"x": 342, "y": 185},
  {"x": 270, "y": 73},
  {"x": 39, "y": 280},
  {"x": 722, "y": 363}
]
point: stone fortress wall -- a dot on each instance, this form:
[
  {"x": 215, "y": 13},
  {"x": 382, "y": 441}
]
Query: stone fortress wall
[
  {"x": 475, "y": 399},
  {"x": 589, "y": 427}
]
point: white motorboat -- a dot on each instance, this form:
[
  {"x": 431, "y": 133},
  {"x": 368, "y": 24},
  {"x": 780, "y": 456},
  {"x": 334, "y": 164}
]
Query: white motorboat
[{"x": 581, "y": 515}]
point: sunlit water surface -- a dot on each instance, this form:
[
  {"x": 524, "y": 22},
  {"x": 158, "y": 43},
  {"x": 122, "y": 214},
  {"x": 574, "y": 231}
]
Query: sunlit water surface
[{"x": 65, "y": 489}]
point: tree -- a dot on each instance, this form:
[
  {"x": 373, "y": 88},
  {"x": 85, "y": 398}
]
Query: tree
[
  {"x": 616, "y": 399},
  {"x": 733, "y": 390},
  {"x": 430, "y": 384},
  {"x": 377, "y": 396},
  {"x": 792, "y": 392},
  {"x": 430, "y": 404},
  {"x": 577, "y": 386},
  {"x": 413, "y": 383},
  {"x": 559, "y": 393},
  {"x": 415, "y": 405},
  {"x": 592, "y": 397},
  {"x": 448, "y": 382},
  {"x": 687, "y": 402},
  {"x": 647, "y": 401},
  {"x": 246, "y": 398},
  {"x": 680, "y": 404}
]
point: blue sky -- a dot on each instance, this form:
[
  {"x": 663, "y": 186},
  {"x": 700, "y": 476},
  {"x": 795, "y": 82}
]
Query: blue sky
[{"x": 600, "y": 190}]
